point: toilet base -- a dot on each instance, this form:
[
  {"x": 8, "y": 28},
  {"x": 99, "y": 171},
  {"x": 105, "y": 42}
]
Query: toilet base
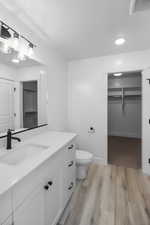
[{"x": 82, "y": 171}]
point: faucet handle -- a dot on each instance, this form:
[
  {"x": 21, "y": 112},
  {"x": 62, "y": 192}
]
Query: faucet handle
[{"x": 10, "y": 130}]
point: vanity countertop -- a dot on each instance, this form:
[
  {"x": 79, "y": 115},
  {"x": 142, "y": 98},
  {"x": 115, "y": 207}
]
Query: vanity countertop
[{"x": 12, "y": 174}]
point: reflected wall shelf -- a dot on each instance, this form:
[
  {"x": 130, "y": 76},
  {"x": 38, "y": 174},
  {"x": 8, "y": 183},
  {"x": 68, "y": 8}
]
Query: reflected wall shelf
[{"x": 122, "y": 93}]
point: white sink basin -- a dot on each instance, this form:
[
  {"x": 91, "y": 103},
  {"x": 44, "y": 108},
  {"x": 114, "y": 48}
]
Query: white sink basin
[{"x": 22, "y": 153}]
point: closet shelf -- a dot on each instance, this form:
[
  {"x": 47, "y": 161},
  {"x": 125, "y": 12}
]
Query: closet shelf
[
  {"x": 125, "y": 88},
  {"x": 124, "y": 93}
]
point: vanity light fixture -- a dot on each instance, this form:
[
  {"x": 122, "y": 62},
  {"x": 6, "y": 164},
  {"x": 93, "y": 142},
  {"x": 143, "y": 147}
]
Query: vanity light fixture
[
  {"x": 21, "y": 56},
  {"x": 30, "y": 50},
  {"x": 11, "y": 40},
  {"x": 118, "y": 74},
  {"x": 120, "y": 41},
  {"x": 15, "y": 60},
  {"x": 6, "y": 49}
]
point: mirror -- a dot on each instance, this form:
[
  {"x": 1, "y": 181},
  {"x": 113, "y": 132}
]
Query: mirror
[{"x": 23, "y": 95}]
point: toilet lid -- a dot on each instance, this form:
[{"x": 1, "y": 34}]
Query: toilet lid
[{"x": 83, "y": 155}]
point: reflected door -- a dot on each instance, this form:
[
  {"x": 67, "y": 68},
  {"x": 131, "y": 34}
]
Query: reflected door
[
  {"x": 6, "y": 105},
  {"x": 30, "y": 107}
]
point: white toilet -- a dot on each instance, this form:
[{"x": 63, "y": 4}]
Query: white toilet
[{"x": 83, "y": 160}]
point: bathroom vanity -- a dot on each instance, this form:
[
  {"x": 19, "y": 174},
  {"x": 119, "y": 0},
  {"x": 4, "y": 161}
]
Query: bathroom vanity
[{"x": 37, "y": 179}]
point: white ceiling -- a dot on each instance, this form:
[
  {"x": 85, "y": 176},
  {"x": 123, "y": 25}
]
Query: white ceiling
[{"x": 85, "y": 28}]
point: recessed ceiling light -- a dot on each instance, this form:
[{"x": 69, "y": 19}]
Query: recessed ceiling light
[
  {"x": 117, "y": 74},
  {"x": 15, "y": 61},
  {"x": 120, "y": 41}
]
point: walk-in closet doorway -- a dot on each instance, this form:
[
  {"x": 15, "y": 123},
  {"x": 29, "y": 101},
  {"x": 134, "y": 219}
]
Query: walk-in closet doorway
[{"x": 124, "y": 119}]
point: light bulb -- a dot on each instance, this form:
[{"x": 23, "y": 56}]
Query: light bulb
[
  {"x": 21, "y": 56},
  {"x": 30, "y": 50},
  {"x": 15, "y": 41},
  {"x": 6, "y": 48},
  {"x": 15, "y": 60},
  {"x": 117, "y": 74},
  {"x": 120, "y": 41}
]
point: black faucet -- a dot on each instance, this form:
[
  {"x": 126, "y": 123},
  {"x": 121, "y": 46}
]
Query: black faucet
[{"x": 9, "y": 139}]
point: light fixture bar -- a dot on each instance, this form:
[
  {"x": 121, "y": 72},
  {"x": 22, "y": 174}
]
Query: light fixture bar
[
  {"x": 132, "y": 7},
  {"x": 15, "y": 32}
]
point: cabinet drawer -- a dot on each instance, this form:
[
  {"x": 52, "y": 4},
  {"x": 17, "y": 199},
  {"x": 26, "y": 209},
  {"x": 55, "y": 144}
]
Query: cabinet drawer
[
  {"x": 70, "y": 150},
  {"x": 69, "y": 170},
  {"x": 5, "y": 206},
  {"x": 69, "y": 186}
]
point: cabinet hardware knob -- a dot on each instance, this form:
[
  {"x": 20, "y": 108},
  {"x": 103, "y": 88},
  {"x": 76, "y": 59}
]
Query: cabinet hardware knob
[
  {"x": 46, "y": 187},
  {"x": 70, "y": 164},
  {"x": 71, "y": 186},
  {"x": 50, "y": 183},
  {"x": 70, "y": 147}
]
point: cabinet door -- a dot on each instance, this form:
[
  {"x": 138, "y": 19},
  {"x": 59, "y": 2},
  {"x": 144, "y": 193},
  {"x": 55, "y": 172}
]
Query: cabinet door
[
  {"x": 5, "y": 206},
  {"x": 31, "y": 212},
  {"x": 9, "y": 221},
  {"x": 52, "y": 199}
]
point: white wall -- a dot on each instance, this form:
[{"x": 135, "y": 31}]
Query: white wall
[
  {"x": 88, "y": 96},
  {"x": 7, "y": 72}
]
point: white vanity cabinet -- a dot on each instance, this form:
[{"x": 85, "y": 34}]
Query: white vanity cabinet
[
  {"x": 32, "y": 209},
  {"x": 8, "y": 221},
  {"x": 37, "y": 199},
  {"x": 41, "y": 196},
  {"x": 5, "y": 206}
]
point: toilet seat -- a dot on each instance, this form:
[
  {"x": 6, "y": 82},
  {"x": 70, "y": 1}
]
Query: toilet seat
[{"x": 83, "y": 157}]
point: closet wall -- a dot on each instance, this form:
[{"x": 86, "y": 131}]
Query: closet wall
[{"x": 124, "y": 105}]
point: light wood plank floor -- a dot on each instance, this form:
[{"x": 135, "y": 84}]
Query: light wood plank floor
[{"x": 111, "y": 196}]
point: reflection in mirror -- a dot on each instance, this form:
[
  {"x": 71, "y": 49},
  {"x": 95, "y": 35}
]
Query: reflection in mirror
[
  {"x": 23, "y": 95},
  {"x": 30, "y": 110}
]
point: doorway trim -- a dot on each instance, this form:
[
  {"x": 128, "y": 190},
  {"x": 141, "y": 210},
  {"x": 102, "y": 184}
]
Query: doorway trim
[{"x": 126, "y": 71}]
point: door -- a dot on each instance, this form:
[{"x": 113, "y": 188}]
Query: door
[
  {"x": 146, "y": 121},
  {"x": 31, "y": 212},
  {"x": 9, "y": 221},
  {"x": 6, "y": 103},
  {"x": 30, "y": 104},
  {"x": 53, "y": 198}
]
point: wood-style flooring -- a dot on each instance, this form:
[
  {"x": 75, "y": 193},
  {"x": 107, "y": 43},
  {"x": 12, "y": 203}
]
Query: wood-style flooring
[
  {"x": 124, "y": 152},
  {"x": 111, "y": 196}
]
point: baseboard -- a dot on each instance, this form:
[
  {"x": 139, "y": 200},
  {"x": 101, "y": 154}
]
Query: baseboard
[
  {"x": 122, "y": 134},
  {"x": 146, "y": 171},
  {"x": 100, "y": 160}
]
